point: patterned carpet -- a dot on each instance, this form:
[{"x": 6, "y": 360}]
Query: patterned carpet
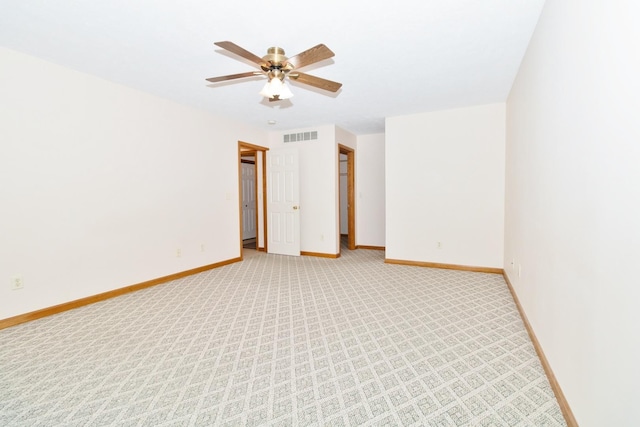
[{"x": 284, "y": 341}]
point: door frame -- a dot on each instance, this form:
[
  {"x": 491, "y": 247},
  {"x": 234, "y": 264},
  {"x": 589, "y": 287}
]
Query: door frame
[
  {"x": 351, "y": 206},
  {"x": 245, "y": 148}
]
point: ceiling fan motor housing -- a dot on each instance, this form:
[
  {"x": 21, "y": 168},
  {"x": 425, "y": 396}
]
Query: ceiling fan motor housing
[
  {"x": 275, "y": 55},
  {"x": 275, "y": 63}
]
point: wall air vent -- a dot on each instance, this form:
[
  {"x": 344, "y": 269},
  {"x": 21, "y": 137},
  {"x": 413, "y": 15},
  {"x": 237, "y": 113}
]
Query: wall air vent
[{"x": 301, "y": 136}]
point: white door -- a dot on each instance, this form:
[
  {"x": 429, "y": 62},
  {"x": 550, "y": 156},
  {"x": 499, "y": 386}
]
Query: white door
[
  {"x": 283, "y": 207},
  {"x": 248, "y": 201}
]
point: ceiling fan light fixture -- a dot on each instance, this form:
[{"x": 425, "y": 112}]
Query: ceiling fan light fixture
[
  {"x": 275, "y": 85},
  {"x": 285, "y": 93},
  {"x": 276, "y": 88},
  {"x": 266, "y": 91}
]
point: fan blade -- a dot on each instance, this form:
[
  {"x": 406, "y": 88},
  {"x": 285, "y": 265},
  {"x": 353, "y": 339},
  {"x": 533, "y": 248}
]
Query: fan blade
[
  {"x": 318, "y": 82},
  {"x": 234, "y": 48},
  {"x": 310, "y": 56},
  {"x": 233, "y": 76}
]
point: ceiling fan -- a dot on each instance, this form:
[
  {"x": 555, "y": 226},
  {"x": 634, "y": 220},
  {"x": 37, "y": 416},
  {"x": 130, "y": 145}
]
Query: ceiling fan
[{"x": 276, "y": 66}]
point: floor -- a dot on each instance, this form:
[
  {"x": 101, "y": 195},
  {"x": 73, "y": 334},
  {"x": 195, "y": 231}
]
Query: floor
[
  {"x": 249, "y": 243},
  {"x": 284, "y": 341}
]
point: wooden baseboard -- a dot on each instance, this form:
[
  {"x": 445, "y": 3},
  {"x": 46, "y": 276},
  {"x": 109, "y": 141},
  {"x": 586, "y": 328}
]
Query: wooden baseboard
[
  {"x": 375, "y": 248},
  {"x": 319, "y": 254},
  {"x": 38, "y": 314},
  {"x": 445, "y": 266},
  {"x": 562, "y": 400}
]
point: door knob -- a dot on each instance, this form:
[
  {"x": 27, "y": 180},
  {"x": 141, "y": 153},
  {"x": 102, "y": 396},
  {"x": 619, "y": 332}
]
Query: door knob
[{"x": 295, "y": 208}]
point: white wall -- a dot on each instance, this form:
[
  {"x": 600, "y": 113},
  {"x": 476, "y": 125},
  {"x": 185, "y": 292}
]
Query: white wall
[
  {"x": 318, "y": 188},
  {"x": 445, "y": 183},
  {"x": 370, "y": 194},
  {"x": 101, "y": 184},
  {"x": 572, "y": 204}
]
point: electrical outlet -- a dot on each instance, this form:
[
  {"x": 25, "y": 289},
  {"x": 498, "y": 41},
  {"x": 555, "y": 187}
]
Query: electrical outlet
[
  {"x": 201, "y": 247},
  {"x": 178, "y": 253},
  {"x": 439, "y": 245},
  {"x": 17, "y": 282}
]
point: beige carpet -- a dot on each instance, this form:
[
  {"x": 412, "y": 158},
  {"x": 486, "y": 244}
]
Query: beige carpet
[{"x": 284, "y": 341}]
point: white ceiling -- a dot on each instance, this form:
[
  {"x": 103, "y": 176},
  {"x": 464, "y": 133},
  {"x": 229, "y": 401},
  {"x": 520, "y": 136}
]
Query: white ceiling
[{"x": 393, "y": 57}]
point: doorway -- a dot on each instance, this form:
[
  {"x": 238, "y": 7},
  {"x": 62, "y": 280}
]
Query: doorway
[
  {"x": 346, "y": 177},
  {"x": 249, "y": 200},
  {"x": 252, "y": 200}
]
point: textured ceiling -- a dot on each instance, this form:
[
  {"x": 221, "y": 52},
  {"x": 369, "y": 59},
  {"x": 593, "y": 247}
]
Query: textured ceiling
[{"x": 393, "y": 57}]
